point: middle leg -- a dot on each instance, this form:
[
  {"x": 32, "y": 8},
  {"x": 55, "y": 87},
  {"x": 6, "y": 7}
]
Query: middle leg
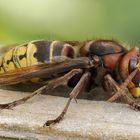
[{"x": 77, "y": 89}]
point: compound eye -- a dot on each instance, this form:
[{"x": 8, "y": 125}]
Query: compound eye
[{"x": 132, "y": 64}]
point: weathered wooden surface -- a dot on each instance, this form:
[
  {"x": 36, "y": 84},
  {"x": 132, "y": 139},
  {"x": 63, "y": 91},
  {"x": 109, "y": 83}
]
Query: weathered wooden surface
[{"x": 86, "y": 119}]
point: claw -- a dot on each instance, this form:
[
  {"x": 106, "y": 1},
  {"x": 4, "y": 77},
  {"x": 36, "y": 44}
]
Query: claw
[
  {"x": 51, "y": 122},
  {"x": 9, "y": 105},
  {"x": 5, "y": 106},
  {"x": 48, "y": 123},
  {"x": 75, "y": 100},
  {"x": 136, "y": 106}
]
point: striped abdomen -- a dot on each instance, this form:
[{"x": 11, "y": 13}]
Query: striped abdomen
[{"x": 33, "y": 53}]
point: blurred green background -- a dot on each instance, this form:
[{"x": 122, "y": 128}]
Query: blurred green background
[{"x": 24, "y": 20}]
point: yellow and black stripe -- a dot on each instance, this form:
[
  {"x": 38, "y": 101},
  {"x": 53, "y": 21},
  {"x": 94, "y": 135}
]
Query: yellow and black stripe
[{"x": 33, "y": 53}]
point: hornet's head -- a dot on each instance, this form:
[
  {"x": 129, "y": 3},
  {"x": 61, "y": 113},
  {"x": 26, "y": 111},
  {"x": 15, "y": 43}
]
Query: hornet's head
[{"x": 128, "y": 63}]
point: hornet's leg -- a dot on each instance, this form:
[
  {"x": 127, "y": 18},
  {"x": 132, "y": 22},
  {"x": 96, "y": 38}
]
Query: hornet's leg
[
  {"x": 77, "y": 89},
  {"x": 49, "y": 85},
  {"x": 121, "y": 90}
]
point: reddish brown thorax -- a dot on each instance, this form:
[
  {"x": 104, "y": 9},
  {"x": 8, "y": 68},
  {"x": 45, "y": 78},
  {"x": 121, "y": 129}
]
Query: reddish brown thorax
[
  {"x": 110, "y": 51},
  {"x": 110, "y": 61}
]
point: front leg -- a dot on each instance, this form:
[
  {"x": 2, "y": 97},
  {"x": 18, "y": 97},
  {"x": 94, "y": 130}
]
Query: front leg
[{"x": 122, "y": 89}]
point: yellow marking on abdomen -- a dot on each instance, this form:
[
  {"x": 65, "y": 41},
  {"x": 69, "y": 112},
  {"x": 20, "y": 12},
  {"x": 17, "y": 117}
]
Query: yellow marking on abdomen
[
  {"x": 20, "y": 51},
  {"x": 1, "y": 68},
  {"x": 31, "y": 60},
  {"x": 31, "y": 50},
  {"x": 51, "y": 51},
  {"x": 8, "y": 63}
]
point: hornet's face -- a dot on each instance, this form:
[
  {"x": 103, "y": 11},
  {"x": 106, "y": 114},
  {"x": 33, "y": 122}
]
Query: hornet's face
[
  {"x": 129, "y": 62},
  {"x": 134, "y": 85}
]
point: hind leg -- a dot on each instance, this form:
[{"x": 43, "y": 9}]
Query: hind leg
[{"x": 49, "y": 85}]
